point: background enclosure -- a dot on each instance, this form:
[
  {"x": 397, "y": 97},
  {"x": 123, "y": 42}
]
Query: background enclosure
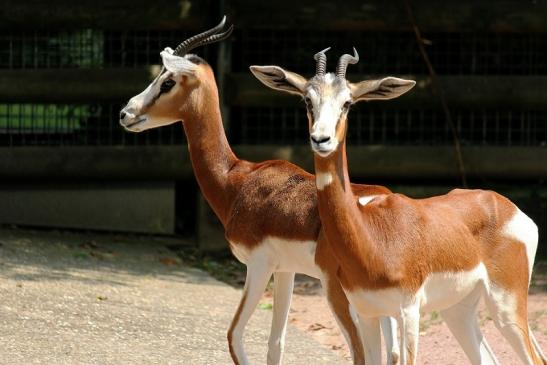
[{"x": 66, "y": 68}]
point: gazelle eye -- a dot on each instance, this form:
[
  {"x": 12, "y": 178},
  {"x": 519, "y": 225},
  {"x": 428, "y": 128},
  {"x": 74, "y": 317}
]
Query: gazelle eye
[
  {"x": 308, "y": 102},
  {"x": 167, "y": 85},
  {"x": 347, "y": 104}
]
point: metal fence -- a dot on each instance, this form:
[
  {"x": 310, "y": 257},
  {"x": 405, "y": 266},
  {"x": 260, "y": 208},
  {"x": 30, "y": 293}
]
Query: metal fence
[
  {"x": 396, "y": 52},
  {"x": 381, "y": 53},
  {"x": 371, "y": 125},
  {"x": 87, "y": 48},
  {"x": 75, "y": 125}
]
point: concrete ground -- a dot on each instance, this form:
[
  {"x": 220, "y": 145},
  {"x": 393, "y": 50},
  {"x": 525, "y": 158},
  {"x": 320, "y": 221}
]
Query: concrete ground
[{"x": 68, "y": 298}]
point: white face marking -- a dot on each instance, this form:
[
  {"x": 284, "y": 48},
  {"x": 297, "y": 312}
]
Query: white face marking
[
  {"x": 364, "y": 200},
  {"x": 524, "y": 230},
  {"x": 135, "y": 119},
  {"x": 323, "y": 179},
  {"x": 326, "y": 110}
]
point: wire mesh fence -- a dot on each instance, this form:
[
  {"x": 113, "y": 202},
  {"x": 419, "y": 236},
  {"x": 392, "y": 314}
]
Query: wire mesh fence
[
  {"x": 454, "y": 53},
  {"x": 75, "y": 125},
  {"x": 87, "y": 48},
  {"x": 383, "y": 53},
  {"x": 374, "y": 126}
]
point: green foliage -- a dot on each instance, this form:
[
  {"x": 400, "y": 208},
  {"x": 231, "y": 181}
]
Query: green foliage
[
  {"x": 43, "y": 118},
  {"x": 265, "y": 306}
]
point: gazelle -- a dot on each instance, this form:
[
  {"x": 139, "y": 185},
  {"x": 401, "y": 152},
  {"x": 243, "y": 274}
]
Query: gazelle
[
  {"x": 400, "y": 256},
  {"x": 268, "y": 209}
]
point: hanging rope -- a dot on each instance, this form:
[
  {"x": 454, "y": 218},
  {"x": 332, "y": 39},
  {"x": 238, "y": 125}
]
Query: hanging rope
[{"x": 437, "y": 88}]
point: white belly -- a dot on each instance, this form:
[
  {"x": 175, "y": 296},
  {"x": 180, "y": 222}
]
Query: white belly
[
  {"x": 283, "y": 255},
  {"x": 439, "y": 291}
]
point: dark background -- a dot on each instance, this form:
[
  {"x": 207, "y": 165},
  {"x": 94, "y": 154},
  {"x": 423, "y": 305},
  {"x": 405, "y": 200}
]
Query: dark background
[{"x": 67, "y": 67}]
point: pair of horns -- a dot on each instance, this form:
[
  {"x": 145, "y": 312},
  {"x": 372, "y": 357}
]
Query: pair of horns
[
  {"x": 215, "y": 35},
  {"x": 321, "y": 59},
  {"x": 210, "y": 36}
]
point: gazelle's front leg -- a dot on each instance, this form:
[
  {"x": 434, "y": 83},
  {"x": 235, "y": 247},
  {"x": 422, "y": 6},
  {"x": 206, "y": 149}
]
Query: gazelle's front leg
[
  {"x": 372, "y": 340},
  {"x": 283, "y": 288},
  {"x": 410, "y": 332},
  {"x": 389, "y": 330},
  {"x": 258, "y": 274},
  {"x": 341, "y": 310}
]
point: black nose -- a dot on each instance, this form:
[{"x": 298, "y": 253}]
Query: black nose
[
  {"x": 320, "y": 140},
  {"x": 122, "y": 114}
]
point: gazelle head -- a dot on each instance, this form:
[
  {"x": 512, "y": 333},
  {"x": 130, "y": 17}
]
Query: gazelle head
[
  {"x": 173, "y": 93},
  {"x": 328, "y": 96}
]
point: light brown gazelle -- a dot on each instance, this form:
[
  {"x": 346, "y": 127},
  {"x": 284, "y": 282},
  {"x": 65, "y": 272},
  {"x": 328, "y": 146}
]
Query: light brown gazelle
[
  {"x": 268, "y": 209},
  {"x": 400, "y": 256}
]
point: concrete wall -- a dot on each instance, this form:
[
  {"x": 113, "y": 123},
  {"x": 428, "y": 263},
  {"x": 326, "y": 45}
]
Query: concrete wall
[{"x": 112, "y": 206}]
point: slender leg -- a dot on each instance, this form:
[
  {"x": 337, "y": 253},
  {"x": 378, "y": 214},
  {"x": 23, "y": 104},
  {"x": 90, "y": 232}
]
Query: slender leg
[
  {"x": 509, "y": 312},
  {"x": 536, "y": 346},
  {"x": 372, "y": 341},
  {"x": 258, "y": 274},
  {"x": 389, "y": 330},
  {"x": 341, "y": 310},
  {"x": 283, "y": 288},
  {"x": 461, "y": 319},
  {"x": 410, "y": 332}
]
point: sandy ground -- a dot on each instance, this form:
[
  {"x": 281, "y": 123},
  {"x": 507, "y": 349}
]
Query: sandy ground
[
  {"x": 71, "y": 298},
  {"x": 77, "y": 299},
  {"x": 310, "y": 313}
]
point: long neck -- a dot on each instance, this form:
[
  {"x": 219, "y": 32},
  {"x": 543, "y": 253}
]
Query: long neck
[
  {"x": 340, "y": 215},
  {"x": 211, "y": 155}
]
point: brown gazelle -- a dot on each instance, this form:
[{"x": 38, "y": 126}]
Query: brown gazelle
[
  {"x": 268, "y": 209},
  {"x": 400, "y": 256}
]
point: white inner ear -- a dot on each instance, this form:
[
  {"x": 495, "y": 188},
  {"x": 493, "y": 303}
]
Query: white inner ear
[
  {"x": 176, "y": 64},
  {"x": 383, "y": 89},
  {"x": 277, "y": 78}
]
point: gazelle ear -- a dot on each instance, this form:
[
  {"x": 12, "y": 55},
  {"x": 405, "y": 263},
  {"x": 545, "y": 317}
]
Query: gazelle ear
[
  {"x": 384, "y": 89},
  {"x": 277, "y": 78},
  {"x": 177, "y": 64}
]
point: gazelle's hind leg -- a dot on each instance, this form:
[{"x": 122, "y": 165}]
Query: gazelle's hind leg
[
  {"x": 461, "y": 319},
  {"x": 509, "y": 312},
  {"x": 283, "y": 288},
  {"x": 507, "y": 293},
  {"x": 258, "y": 275},
  {"x": 389, "y": 330}
]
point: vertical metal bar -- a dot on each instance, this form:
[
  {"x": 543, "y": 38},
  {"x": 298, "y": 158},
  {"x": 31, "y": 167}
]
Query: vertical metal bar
[
  {"x": 9, "y": 129},
  {"x": 509, "y": 128},
  {"x": 224, "y": 67},
  {"x": 371, "y": 127},
  {"x": 497, "y": 125},
  {"x": 484, "y": 129},
  {"x": 10, "y": 50},
  {"x": 384, "y": 127}
]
